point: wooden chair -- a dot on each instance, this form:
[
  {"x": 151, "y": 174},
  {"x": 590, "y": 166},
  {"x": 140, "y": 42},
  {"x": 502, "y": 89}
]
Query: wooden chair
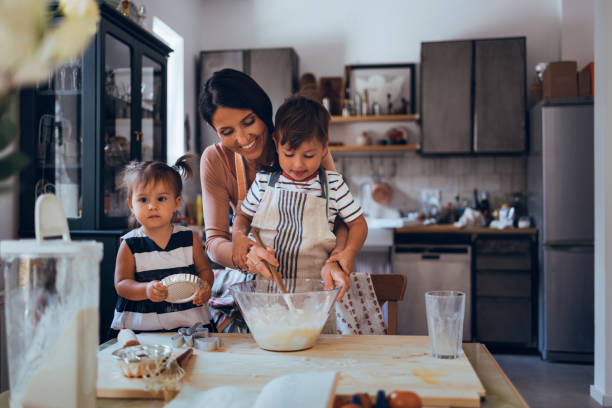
[{"x": 389, "y": 287}]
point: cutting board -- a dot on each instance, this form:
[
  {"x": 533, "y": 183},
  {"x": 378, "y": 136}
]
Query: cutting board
[{"x": 364, "y": 363}]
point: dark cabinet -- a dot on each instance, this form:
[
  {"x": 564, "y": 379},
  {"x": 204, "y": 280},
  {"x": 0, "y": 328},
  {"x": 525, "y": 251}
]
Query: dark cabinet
[
  {"x": 84, "y": 124},
  {"x": 446, "y": 93},
  {"x": 505, "y": 291},
  {"x": 91, "y": 117},
  {"x": 473, "y": 96},
  {"x": 274, "y": 69}
]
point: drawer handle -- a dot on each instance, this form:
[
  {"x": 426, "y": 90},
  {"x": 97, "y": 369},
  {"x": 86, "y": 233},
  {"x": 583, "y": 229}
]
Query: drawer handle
[{"x": 430, "y": 256}]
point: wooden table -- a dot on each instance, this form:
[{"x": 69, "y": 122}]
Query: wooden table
[{"x": 499, "y": 390}]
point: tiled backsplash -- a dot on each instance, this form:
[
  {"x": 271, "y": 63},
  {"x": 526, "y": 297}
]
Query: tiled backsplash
[{"x": 453, "y": 175}]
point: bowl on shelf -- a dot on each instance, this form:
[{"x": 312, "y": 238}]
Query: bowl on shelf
[{"x": 285, "y": 322}]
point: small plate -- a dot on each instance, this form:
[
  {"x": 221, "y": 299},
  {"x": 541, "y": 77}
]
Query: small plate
[{"x": 182, "y": 287}]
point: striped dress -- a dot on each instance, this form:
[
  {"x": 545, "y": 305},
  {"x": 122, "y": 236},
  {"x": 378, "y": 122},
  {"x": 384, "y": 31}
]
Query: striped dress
[{"x": 155, "y": 263}]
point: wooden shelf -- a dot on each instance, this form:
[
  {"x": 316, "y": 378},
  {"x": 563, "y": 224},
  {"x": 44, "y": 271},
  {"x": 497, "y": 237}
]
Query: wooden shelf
[
  {"x": 375, "y": 148},
  {"x": 372, "y": 118}
]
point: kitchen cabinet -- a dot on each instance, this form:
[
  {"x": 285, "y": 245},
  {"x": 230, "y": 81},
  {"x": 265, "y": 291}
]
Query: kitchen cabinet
[
  {"x": 92, "y": 117},
  {"x": 85, "y": 123},
  {"x": 276, "y": 70},
  {"x": 505, "y": 291},
  {"x": 473, "y": 96},
  {"x": 502, "y": 278}
]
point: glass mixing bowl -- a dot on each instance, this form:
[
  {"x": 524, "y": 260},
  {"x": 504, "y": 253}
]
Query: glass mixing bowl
[{"x": 284, "y": 322}]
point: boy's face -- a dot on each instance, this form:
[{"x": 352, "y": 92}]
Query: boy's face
[
  {"x": 154, "y": 204},
  {"x": 303, "y": 162}
]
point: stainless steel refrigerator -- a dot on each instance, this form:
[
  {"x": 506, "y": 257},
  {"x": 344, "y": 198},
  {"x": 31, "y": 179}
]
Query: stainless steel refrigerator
[{"x": 560, "y": 180}]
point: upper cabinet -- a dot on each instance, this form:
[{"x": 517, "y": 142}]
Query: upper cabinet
[
  {"x": 473, "y": 96},
  {"x": 91, "y": 118}
]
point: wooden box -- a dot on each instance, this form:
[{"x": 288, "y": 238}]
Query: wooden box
[{"x": 559, "y": 80}]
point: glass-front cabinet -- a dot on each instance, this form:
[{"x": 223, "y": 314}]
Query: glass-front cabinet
[{"x": 89, "y": 119}]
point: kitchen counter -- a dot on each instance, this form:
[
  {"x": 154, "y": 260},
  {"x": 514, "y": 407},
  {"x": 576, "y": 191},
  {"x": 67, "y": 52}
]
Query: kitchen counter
[{"x": 451, "y": 229}]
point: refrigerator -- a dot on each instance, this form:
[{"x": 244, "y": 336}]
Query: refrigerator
[{"x": 560, "y": 179}]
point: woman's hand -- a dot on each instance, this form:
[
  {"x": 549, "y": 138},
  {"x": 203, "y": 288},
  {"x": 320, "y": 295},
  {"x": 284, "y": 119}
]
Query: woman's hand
[
  {"x": 240, "y": 248},
  {"x": 156, "y": 291},
  {"x": 345, "y": 258},
  {"x": 254, "y": 260},
  {"x": 203, "y": 294},
  {"x": 333, "y": 277}
]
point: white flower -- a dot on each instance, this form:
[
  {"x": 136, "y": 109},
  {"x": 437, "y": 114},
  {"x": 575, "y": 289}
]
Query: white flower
[{"x": 36, "y": 47}]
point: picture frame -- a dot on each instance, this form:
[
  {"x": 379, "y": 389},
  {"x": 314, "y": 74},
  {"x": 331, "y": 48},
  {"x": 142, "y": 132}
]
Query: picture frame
[{"x": 385, "y": 83}]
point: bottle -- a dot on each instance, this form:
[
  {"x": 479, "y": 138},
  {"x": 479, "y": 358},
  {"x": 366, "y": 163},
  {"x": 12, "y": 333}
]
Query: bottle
[
  {"x": 364, "y": 103},
  {"x": 199, "y": 209},
  {"x": 458, "y": 211},
  {"x": 475, "y": 204},
  {"x": 485, "y": 207}
]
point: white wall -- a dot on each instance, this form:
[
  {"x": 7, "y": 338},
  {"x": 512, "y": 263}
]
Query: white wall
[
  {"x": 577, "y": 31},
  {"x": 329, "y": 34},
  {"x": 185, "y": 17}
]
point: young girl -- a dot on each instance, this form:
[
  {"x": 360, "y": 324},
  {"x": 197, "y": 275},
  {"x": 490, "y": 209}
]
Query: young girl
[{"x": 156, "y": 250}]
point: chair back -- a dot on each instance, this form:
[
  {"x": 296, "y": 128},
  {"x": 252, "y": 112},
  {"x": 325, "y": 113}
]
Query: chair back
[{"x": 389, "y": 287}]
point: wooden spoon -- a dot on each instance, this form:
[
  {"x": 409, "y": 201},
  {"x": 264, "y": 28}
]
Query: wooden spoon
[{"x": 273, "y": 271}]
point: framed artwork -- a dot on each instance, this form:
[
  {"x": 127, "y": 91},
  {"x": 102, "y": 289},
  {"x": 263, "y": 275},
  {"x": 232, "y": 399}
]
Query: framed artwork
[
  {"x": 333, "y": 89},
  {"x": 391, "y": 86}
]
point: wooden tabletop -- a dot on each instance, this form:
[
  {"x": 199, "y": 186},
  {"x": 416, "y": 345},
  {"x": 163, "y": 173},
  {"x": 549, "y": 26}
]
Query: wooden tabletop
[{"x": 499, "y": 389}]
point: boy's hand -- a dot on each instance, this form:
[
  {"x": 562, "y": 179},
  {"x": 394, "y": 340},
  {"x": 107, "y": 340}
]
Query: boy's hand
[
  {"x": 333, "y": 276},
  {"x": 156, "y": 291},
  {"x": 346, "y": 260},
  {"x": 240, "y": 249},
  {"x": 203, "y": 294},
  {"x": 255, "y": 257}
]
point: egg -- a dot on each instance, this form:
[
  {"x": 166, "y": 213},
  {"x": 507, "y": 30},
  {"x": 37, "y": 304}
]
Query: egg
[{"x": 404, "y": 399}]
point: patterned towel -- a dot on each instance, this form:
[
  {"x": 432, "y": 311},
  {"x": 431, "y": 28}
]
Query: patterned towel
[{"x": 359, "y": 311}]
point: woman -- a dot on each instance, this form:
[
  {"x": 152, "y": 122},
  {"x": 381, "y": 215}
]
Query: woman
[{"x": 240, "y": 112}]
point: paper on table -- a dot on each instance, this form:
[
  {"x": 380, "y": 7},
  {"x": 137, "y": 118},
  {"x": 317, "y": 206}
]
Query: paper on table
[
  {"x": 228, "y": 397},
  {"x": 304, "y": 390}
]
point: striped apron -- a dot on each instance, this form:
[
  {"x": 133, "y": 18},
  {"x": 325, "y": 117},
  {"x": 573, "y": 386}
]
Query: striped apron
[{"x": 295, "y": 224}]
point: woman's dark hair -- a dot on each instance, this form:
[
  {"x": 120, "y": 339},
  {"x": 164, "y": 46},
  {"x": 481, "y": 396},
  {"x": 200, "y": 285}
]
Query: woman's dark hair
[
  {"x": 299, "y": 119},
  {"x": 143, "y": 173},
  {"x": 234, "y": 89}
]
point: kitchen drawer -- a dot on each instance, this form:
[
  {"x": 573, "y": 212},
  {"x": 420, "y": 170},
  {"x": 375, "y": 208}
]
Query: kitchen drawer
[
  {"x": 520, "y": 262},
  {"x": 502, "y": 246},
  {"x": 503, "y": 320},
  {"x": 503, "y": 283}
]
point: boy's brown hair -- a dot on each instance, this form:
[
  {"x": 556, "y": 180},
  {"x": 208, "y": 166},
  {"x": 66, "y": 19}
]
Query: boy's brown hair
[{"x": 299, "y": 119}]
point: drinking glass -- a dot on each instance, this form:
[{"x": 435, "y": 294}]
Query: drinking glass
[{"x": 445, "y": 311}]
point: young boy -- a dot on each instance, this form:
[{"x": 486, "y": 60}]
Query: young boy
[{"x": 295, "y": 207}]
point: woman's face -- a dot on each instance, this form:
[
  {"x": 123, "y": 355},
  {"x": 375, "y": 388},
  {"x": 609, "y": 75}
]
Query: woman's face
[{"x": 241, "y": 131}]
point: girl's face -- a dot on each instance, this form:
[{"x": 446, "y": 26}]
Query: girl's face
[
  {"x": 302, "y": 162},
  {"x": 241, "y": 131},
  {"x": 154, "y": 204}
]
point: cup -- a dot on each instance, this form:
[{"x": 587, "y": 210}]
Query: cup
[{"x": 445, "y": 311}]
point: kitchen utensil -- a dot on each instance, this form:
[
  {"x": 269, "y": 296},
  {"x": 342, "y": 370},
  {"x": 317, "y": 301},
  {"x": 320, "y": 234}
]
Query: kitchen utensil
[
  {"x": 381, "y": 192},
  {"x": 445, "y": 311},
  {"x": 273, "y": 272},
  {"x": 182, "y": 287},
  {"x": 272, "y": 269},
  {"x": 141, "y": 360},
  {"x": 52, "y": 295},
  {"x": 276, "y": 327}
]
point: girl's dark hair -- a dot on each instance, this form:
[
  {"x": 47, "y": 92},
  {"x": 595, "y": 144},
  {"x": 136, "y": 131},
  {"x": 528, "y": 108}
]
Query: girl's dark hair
[
  {"x": 143, "y": 173},
  {"x": 234, "y": 89},
  {"x": 299, "y": 119}
]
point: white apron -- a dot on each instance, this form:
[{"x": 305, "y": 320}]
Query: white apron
[{"x": 295, "y": 224}]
